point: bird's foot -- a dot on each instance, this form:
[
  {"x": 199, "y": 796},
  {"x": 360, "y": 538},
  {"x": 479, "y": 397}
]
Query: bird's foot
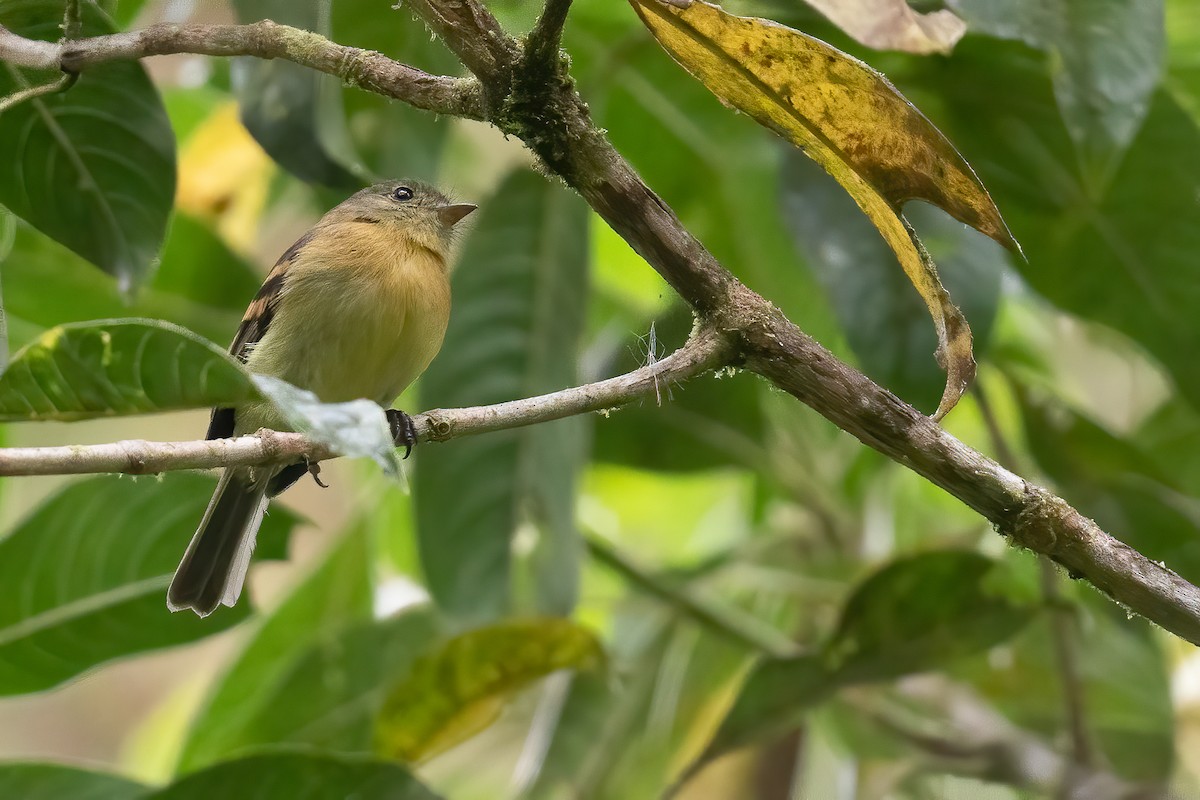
[{"x": 404, "y": 432}]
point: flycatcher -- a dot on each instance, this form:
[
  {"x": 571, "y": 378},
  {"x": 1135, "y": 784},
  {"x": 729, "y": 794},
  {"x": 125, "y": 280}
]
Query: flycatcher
[{"x": 356, "y": 308}]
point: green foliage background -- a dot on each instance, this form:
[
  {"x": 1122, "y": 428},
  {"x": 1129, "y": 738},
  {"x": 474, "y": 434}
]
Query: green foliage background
[{"x": 776, "y": 587}]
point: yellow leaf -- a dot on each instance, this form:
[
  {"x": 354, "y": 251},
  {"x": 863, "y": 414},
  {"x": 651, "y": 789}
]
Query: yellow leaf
[
  {"x": 460, "y": 688},
  {"x": 849, "y": 119},
  {"x": 224, "y": 177}
]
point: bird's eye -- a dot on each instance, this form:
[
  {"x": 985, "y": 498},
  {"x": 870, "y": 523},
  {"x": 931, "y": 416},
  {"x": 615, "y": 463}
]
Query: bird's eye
[{"x": 402, "y": 193}]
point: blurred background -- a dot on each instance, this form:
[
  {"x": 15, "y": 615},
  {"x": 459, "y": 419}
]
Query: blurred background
[{"x": 706, "y": 535}]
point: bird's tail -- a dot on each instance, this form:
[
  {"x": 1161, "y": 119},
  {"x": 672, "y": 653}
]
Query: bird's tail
[{"x": 214, "y": 567}]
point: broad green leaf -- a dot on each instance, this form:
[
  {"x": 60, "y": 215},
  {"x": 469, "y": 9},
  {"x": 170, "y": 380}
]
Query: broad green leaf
[
  {"x": 332, "y": 692},
  {"x": 394, "y": 139},
  {"x": 298, "y": 776},
  {"x": 199, "y": 285},
  {"x": 893, "y": 25},
  {"x": 920, "y": 612},
  {"x": 1117, "y": 252},
  {"x": 92, "y": 167},
  {"x": 83, "y": 580},
  {"x": 1115, "y": 482},
  {"x": 336, "y": 594},
  {"x": 1171, "y": 437},
  {"x": 777, "y": 694},
  {"x": 459, "y": 688},
  {"x": 113, "y": 367},
  {"x": 1124, "y": 677},
  {"x": 198, "y": 266},
  {"x": 701, "y": 424},
  {"x": 519, "y": 297},
  {"x": 358, "y": 428},
  {"x": 33, "y": 781},
  {"x": 123, "y": 12},
  {"x": 1108, "y": 56},
  {"x": 1183, "y": 63},
  {"x": 294, "y": 112},
  {"x": 884, "y": 323},
  {"x": 850, "y": 120}
]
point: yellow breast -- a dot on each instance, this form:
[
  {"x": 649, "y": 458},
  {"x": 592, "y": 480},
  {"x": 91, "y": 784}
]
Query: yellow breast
[{"x": 362, "y": 313}]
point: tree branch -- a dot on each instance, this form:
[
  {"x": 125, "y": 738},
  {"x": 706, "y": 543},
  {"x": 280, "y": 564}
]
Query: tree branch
[
  {"x": 543, "y": 43},
  {"x": 365, "y": 69},
  {"x": 554, "y": 123},
  {"x": 704, "y": 351}
]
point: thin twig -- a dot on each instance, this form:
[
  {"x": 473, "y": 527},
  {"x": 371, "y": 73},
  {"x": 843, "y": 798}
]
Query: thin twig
[
  {"x": 543, "y": 43},
  {"x": 703, "y": 352},
  {"x": 741, "y": 628},
  {"x": 72, "y": 20},
  {"x": 62, "y": 83}
]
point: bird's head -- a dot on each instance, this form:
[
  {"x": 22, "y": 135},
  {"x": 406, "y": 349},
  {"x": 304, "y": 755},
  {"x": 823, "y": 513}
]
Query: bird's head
[{"x": 416, "y": 209}]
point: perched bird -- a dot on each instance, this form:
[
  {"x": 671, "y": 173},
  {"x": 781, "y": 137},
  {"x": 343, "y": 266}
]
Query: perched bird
[{"x": 356, "y": 308}]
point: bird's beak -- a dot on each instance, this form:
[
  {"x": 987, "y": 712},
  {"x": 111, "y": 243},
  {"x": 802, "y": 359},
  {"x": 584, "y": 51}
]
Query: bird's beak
[{"x": 450, "y": 215}]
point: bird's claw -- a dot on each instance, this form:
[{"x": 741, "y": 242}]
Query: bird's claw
[
  {"x": 404, "y": 432},
  {"x": 314, "y": 469}
]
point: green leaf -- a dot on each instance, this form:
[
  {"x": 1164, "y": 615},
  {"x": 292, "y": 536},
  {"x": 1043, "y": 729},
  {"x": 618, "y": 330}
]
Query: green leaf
[
  {"x": 85, "y": 577},
  {"x": 1171, "y": 437},
  {"x": 298, "y": 776},
  {"x": 57, "y": 781},
  {"x": 92, "y": 167},
  {"x": 113, "y": 367},
  {"x": 356, "y": 429},
  {"x": 459, "y": 688},
  {"x": 853, "y": 122},
  {"x": 1118, "y": 251},
  {"x": 776, "y": 695},
  {"x": 1108, "y": 56},
  {"x": 519, "y": 298},
  {"x": 920, "y": 612},
  {"x": 292, "y": 111},
  {"x": 200, "y": 285},
  {"x": 198, "y": 266},
  {"x": 331, "y": 693},
  {"x": 1183, "y": 42},
  {"x": 123, "y": 12},
  {"x": 337, "y": 593},
  {"x": 394, "y": 139},
  {"x": 1115, "y": 482},
  {"x": 1124, "y": 680},
  {"x": 884, "y": 321}
]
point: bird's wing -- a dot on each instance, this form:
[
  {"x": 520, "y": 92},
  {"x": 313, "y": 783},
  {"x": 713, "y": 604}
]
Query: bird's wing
[{"x": 254, "y": 326}]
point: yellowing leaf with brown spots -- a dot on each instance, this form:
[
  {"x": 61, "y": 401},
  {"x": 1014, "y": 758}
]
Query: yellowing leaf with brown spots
[
  {"x": 849, "y": 119},
  {"x": 461, "y": 687}
]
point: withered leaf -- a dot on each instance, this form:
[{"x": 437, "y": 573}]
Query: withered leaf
[{"x": 851, "y": 120}]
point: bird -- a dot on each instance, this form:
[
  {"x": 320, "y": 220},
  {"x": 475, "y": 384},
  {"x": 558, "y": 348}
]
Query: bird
[{"x": 356, "y": 308}]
